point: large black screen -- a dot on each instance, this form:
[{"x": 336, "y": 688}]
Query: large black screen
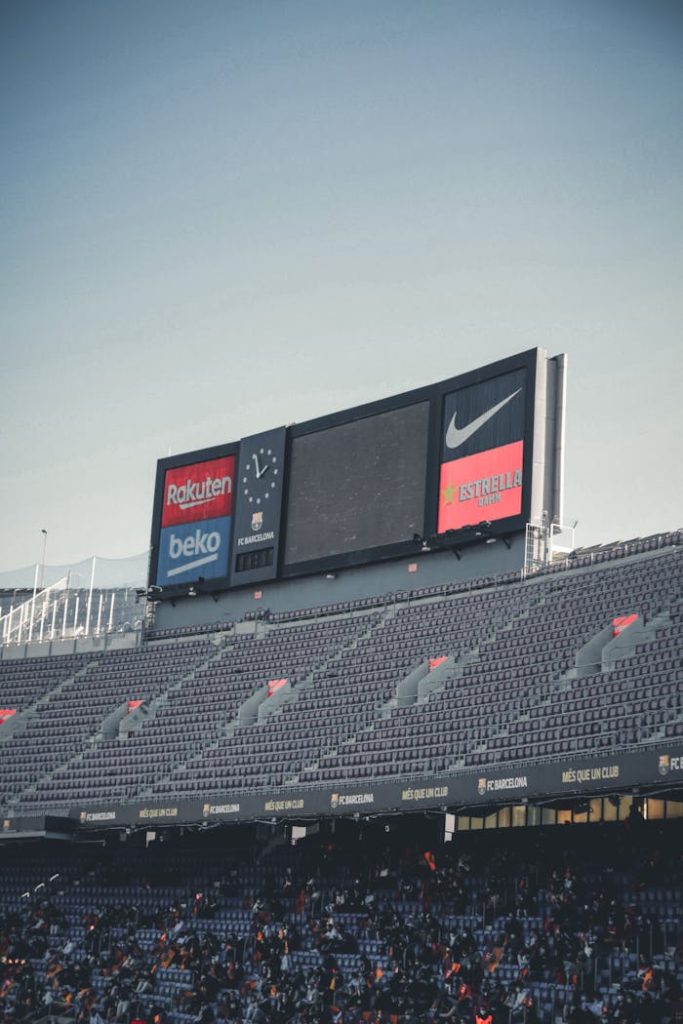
[{"x": 358, "y": 485}]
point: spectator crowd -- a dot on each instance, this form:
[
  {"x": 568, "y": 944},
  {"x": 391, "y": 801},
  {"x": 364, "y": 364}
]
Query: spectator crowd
[{"x": 367, "y": 924}]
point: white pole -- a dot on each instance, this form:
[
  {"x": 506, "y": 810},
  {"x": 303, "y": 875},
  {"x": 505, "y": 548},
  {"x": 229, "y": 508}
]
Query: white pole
[
  {"x": 54, "y": 619},
  {"x": 66, "y": 608},
  {"x": 111, "y": 611},
  {"x": 99, "y": 612},
  {"x": 92, "y": 581},
  {"x": 78, "y": 598},
  {"x": 42, "y": 621},
  {"x": 33, "y": 603},
  {"x": 42, "y": 560}
]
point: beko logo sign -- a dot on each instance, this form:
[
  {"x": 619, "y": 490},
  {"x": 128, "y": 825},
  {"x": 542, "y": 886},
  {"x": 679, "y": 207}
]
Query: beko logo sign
[
  {"x": 199, "y": 491},
  {"x": 204, "y": 545},
  {"x": 191, "y": 550}
]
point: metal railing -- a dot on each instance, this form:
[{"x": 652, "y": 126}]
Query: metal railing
[{"x": 33, "y": 616}]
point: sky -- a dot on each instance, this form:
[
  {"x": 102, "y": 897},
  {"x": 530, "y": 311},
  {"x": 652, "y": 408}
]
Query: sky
[{"x": 219, "y": 217}]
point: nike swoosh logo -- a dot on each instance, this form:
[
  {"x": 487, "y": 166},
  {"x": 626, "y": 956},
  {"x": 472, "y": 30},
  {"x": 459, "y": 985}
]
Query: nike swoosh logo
[{"x": 455, "y": 437}]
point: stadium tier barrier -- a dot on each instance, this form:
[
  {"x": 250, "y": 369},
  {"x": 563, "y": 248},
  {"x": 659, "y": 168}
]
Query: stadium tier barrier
[{"x": 532, "y": 672}]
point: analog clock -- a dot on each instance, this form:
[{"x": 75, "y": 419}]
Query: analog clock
[{"x": 260, "y": 476}]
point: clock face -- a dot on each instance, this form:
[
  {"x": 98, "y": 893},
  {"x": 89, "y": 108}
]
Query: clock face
[{"x": 260, "y": 476}]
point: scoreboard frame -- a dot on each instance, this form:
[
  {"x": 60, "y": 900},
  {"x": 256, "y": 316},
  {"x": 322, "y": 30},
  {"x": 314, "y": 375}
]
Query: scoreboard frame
[{"x": 435, "y": 395}]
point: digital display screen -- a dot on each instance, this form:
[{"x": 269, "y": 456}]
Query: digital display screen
[
  {"x": 357, "y": 485},
  {"x": 251, "y": 560}
]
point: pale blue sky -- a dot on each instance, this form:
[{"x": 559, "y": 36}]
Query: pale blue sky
[{"x": 216, "y": 217}]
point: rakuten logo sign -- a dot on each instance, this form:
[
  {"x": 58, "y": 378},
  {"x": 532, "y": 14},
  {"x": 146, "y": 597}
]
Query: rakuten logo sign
[
  {"x": 191, "y": 493},
  {"x": 191, "y": 550},
  {"x": 197, "y": 492}
]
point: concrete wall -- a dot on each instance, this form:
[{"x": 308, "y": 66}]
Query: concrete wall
[
  {"x": 81, "y": 645},
  {"x": 347, "y": 585}
]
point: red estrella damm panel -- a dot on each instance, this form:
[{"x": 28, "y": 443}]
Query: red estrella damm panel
[
  {"x": 202, "y": 490},
  {"x": 481, "y": 487}
]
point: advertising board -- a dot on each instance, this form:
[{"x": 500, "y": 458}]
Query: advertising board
[
  {"x": 481, "y": 472},
  {"x": 195, "y": 521}
]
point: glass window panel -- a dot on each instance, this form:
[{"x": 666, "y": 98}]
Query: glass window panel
[
  {"x": 653, "y": 809},
  {"x": 610, "y": 811},
  {"x": 504, "y": 817},
  {"x": 519, "y": 816},
  {"x": 624, "y": 807}
]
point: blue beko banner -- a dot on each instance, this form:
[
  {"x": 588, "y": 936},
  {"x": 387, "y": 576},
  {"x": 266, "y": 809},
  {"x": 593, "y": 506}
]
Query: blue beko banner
[{"x": 188, "y": 551}]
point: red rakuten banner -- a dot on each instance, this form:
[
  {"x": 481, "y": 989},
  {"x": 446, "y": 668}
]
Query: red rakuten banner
[
  {"x": 200, "y": 491},
  {"x": 481, "y": 487}
]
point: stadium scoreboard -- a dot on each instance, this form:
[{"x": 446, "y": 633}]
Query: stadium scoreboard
[
  {"x": 475, "y": 456},
  {"x": 358, "y": 485}
]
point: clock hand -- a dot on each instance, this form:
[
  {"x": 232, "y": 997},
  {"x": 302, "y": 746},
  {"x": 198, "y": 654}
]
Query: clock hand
[
  {"x": 260, "y": 472},
  {"x": 255, "y": 458}
]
